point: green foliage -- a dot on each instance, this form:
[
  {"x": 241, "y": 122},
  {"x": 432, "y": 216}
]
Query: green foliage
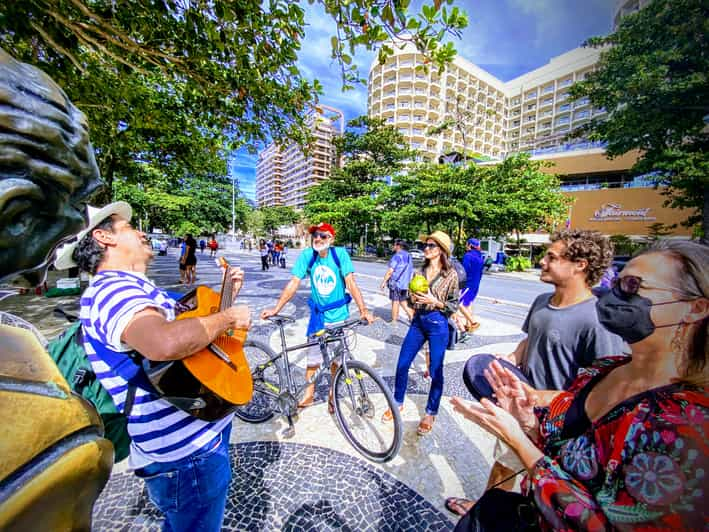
[
  {"x": 517, "y": 264},
  {"x": 162, "y": 202},
  {"x": 275, "y": 217},
  {"x": 653, "y": 80},
  {"x": 349, "y": 200},
  {"x": 177, "y": 85},
  {"x": 624, "y": 245},
  {"x": 187, "y": 227}
]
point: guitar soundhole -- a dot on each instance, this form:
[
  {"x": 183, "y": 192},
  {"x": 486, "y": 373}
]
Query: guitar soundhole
[{"x": 213, "y": 310}]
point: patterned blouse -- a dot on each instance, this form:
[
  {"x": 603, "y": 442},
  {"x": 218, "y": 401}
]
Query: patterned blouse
[
  {"x": 642, "y": 466},
  {"x": 444, "y": 287}
]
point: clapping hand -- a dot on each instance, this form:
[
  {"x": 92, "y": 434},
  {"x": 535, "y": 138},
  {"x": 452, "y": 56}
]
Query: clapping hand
[{"x": 512, "y": 395}]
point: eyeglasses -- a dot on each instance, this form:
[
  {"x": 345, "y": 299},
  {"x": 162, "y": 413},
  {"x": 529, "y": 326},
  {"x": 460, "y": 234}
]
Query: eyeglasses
[
  {"x": 630, "y": 284},
  {"x": 323, "y": 236},
  {"x": 430, "y": 245}
]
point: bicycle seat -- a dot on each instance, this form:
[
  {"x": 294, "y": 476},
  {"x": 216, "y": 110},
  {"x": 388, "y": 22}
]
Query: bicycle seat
[{"x": 281, "y": 318}]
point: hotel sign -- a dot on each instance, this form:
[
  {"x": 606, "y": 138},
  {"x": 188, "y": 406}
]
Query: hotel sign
[{"x": 614, "y": 212}]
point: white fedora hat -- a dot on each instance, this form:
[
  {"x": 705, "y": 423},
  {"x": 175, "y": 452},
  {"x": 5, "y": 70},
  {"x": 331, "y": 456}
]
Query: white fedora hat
[{"x": 96, "y": 216}]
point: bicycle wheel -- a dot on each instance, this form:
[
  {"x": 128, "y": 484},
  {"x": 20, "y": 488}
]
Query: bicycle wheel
[
  {"x": 267, "y": 383},
  {"x": 360, "y": 398}
]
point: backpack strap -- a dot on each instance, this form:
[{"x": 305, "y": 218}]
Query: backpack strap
[{"x": 333, "y": 252}]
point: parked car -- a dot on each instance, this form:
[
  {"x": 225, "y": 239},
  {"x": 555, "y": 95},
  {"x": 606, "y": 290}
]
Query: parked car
[
  {"x": 370, "y": 248},
  {"x": 416, "y": 254}
]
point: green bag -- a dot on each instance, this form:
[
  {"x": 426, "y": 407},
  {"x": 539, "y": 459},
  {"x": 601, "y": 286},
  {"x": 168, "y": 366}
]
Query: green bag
[{"x": 67, "y": 351}]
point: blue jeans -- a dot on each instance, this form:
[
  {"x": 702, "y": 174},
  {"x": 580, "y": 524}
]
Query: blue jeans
[
  {"x": 191, "y": 492},
  {"x": 431, "y": 326}
]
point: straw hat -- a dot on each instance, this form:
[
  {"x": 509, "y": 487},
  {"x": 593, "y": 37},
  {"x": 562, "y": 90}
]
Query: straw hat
[
  {"x": 443, "y": 241},
  {"x": 64, "y": 260}
]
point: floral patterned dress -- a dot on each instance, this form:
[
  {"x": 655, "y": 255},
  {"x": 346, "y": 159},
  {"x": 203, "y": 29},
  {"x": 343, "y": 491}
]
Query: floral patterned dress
[{"x": 642, "y": 466}]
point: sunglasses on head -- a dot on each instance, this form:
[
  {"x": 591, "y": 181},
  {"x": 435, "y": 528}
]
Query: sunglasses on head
[
  {"x": 323, "y": 236},
  {"x": 430, "y": 245}
]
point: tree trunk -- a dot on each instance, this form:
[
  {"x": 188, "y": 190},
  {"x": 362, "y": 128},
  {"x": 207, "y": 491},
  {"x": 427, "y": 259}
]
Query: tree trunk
[{"x": 705, "y": 217}]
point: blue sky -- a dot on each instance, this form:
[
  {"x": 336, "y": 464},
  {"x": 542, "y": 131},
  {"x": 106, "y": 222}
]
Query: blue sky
[{"x": 505, "y": 37}]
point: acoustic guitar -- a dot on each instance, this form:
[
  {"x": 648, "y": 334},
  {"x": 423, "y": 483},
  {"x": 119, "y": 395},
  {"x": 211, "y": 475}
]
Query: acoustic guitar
[{"x": 212, "y": 382}]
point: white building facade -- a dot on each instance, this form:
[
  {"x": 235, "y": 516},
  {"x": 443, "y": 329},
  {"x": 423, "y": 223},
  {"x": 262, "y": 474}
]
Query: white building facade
[
  {"x": 284, "y": 175},
  {"x": 489, "y": 118}
]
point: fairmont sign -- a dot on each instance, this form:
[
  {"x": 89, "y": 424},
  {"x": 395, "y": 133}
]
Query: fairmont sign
[{"x": 614, "y": 212}]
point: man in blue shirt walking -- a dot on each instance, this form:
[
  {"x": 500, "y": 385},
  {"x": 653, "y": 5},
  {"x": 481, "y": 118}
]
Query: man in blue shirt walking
[
  {"x": 473, "y": 263},
  {"x": 331, "y": 277}
]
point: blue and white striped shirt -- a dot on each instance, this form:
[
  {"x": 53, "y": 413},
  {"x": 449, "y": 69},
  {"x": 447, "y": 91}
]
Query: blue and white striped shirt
[{"x": 160, "y": 431}]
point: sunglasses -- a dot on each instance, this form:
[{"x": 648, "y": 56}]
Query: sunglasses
[
  {"x": 323, "y": 236},
  {"x": 629, "y": 285},
  {"x": 430, "y": 245}
]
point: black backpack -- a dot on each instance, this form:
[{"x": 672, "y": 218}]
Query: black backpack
[{"x": 460, "y": 270}]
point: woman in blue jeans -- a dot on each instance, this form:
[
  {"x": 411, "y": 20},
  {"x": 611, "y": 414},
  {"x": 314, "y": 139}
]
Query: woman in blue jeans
[{"x": 430, "y": 323}]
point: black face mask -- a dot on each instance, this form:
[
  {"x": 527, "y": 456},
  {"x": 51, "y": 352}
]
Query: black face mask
[{"x": 628, "y": 315}]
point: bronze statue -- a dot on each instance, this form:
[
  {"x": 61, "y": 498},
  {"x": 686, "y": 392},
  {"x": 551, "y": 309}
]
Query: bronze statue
[
  {"x": 53, "y": 458},
  {"x": 47, "y": 169}
]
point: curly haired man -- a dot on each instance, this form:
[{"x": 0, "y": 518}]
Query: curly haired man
[{"x": 563, "y": 331}]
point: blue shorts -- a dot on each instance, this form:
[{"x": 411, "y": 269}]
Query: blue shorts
[{"x": 468, "y": 295}]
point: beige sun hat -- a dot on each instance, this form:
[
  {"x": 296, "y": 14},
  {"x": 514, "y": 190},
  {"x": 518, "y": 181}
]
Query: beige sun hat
[
  {"x": 443, "y": 241},
  {"x": 64, "y": 258}
]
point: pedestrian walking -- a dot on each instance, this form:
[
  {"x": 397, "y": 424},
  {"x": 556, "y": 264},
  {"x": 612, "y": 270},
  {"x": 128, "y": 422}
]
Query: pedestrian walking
[
  {"x": 474, "y": 264},
  {"x": 202, "y": 245},
  {"x": 263, "y": 251},
  {"x": 397, "y": 278}
]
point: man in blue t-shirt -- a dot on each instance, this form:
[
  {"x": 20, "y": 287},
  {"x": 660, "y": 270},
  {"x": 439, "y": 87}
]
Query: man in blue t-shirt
[
  {"x": 473, "y": 263},
  {"x": 329, "y": 284},
  {"x": 397, "y": 279}
]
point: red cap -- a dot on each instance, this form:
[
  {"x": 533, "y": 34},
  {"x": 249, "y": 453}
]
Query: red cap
[{"x": 322, "y": 226}]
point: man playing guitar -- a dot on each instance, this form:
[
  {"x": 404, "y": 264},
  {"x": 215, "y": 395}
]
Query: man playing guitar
[{"x": 184, "y": 460}]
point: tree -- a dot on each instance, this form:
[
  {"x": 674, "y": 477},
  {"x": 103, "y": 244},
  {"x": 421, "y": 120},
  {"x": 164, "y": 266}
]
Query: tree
[
  {"x": 275, "y": 217},
  {"x": 374, "y": 154},
  {"x": 653, "y": 80},
  {"x": 517, "y": 197},
  {"x": 170, "y": 82}
]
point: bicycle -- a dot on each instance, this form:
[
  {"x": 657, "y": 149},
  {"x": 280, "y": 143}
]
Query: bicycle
[{"x": 357, "y": 393}]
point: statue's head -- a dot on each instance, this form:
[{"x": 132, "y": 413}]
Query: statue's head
[{"x": 47, "y": 169}]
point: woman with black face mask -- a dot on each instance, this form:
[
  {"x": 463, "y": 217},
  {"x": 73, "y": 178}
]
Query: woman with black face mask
[{"x": 626, "y": 446}]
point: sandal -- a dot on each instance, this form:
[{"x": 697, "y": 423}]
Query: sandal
[
  {"x": 308, "y": 403},
  {"x": 388, "y": 416},
  {"x": 424, "y": 428},
  {"x": 330, "y": 407},
  {"x": 458, "y": 505},
  {"x": 472, "y": 326}
]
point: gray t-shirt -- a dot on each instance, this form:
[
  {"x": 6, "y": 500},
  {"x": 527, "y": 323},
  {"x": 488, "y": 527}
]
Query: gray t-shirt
[{"x": 562, "y": 340}]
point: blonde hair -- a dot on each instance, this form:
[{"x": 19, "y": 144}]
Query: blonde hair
[{"x": 693, "y": 279}]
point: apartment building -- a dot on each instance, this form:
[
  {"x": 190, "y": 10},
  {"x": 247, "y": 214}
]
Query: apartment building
[
  {"x": 269, "y": 174},
  {"x": 489, "y": 118},
  {"x": 284, "y": 175}
]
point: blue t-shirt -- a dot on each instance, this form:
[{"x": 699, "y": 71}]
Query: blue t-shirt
[
  {"x": 473, "y": 263},
  {"x": 326, "y": 285},
  {"x": 403, "y": 269}
]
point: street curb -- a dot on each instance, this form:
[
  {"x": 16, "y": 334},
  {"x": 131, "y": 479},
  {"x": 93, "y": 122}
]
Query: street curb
[{"x": 498, "y": 301}]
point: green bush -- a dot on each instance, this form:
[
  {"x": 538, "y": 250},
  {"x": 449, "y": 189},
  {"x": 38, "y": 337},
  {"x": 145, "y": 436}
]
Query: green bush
[
  {"x": 380, "y": 251},
  {"x": 517, "y": 264}
]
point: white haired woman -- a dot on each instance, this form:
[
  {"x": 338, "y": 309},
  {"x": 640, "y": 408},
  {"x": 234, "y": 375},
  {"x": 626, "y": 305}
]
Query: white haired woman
[{"x": 626, "y": 445}]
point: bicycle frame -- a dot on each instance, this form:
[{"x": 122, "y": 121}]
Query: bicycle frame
[{"x": 323, "y": 343}]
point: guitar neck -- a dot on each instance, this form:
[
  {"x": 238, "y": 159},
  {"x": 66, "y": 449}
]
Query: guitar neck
[{"x": 225, "y": 300}]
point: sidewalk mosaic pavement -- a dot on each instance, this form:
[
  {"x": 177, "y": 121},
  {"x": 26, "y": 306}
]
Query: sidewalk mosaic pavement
[{"x": 316, "y": 480}]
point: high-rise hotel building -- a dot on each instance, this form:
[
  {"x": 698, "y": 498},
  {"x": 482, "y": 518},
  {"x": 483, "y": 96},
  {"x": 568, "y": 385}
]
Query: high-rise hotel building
[
  {"x": 531, "y": 112},
  {"x": 284, "y": 174}
]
